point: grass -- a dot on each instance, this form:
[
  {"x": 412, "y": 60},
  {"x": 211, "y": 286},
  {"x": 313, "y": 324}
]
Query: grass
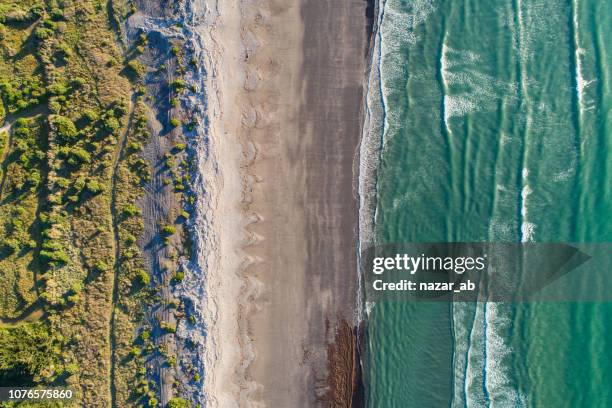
[
  {"x": 74, "y": 286},
  {"x": 65, "y": 94}
]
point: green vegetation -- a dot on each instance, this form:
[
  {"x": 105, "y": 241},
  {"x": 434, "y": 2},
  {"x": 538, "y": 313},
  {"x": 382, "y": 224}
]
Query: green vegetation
[
  {"x": 26, "y": 353},
  {"x": 168, "y": 230},
  {"x": 178, "y": 85},
  {"x": 66, "y": 98},
  {"x": 178, "y": 403},
  {"x": 131, "y": 210},
  {"x": 167, "y": 327},
  {"x": 179, "y": 277},
  {"x": 74, "y": 285}
]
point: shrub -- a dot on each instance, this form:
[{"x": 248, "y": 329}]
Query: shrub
[
  {"x": 71, "y": 369},
  {"x": 174, "y": 122},
  {"x": 179, "y": 277},
  {"x": 135, "y": 69},
  {"x": 57, "y": 14},
  {"x": 111, "y": 124},
  {"x": 179, "y": 147},
  {"x": 134, "y": 147},
  {"x": 76, "y": 288},
  {"x": 78, "y": 82},
  {"x": 57, "y": 89},
  {"x": 43, "y": 33},
  {"x": 143, "y": 277},
  {"x": 167, "y": 327},
  {"x": 80, "y": 155},
  {"x": 25, "y": 349},
  {"x": 176, "y": 402},
  {"x": 55, "y": 256},
  {"x": 101, "y": 266},
  {"x": 131, "y": 210},
  {"x": 178, "y": 84},
  {"x": 119, "y": 109},
  {"x": 145, "y": 335},
  {"x": 11, "y": 245},
  {"x": 55, "y": 106},
  {"x": 90, "y": 115},
  {"x": 129, "y": 239},
  {"x": 65, "y": 128},
  {"x": 94, "y": 187},
  {"x": 168, "y": 230}
]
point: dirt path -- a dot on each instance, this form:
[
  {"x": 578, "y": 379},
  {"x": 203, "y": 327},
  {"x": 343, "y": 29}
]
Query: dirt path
[{"x": 116, "y": 248}]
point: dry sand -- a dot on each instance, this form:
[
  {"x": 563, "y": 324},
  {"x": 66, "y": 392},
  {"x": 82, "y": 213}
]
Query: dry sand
[{"x": 285, "y": 105}]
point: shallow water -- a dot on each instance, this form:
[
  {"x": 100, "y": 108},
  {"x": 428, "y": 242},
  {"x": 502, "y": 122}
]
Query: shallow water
[{"x": 493, "y": 120}]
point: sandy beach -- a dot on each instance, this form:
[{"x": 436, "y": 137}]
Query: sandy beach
[{"x": 285, "y": 94}]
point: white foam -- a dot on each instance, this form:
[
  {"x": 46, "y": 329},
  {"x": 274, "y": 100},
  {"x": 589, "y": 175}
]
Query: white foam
[
  {"x": 581, "y": 82},
  {"x": 497, "y": 383}
]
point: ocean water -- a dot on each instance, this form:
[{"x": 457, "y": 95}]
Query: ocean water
[{"x": 489, "y": 120}]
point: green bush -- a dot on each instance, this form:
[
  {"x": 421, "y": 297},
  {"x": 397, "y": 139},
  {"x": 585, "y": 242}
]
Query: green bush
[
  {"x": 134, "y": 147},
  {"x": 94, "y": 187},
  {"x": 177, "y": 402},
  {"x": 145, "y": 335},
  {"x": 11, "y": 245},
  {"x": 80, "y": 155},
  {"x": 90, "y": 115},
  {"x": 57, "y": 89},
  {"x": 65, "y": 128},
  {"x": 101, "y": 266},
  {"x": 135, "y": 69},
  {"x": 25, "y": 350},
  {"x": 43, "y": 33},
  {"x": 174, "y": 122},
  {"x": 71, "y": 369},
  {"x": 131, "y": 210},
  {"x": 179, "y": 277},
  {"x": 167, "y": 327},
  {"x": 55, "y": 256},
  {"x": 178, "y": 84},
  {"x": 111, "y": 124},
  {"x": 168, "y": 230},
  {"x": 143, "y": 277}
]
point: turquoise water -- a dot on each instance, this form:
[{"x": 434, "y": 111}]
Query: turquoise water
[{"x": 493, "y": 120}]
